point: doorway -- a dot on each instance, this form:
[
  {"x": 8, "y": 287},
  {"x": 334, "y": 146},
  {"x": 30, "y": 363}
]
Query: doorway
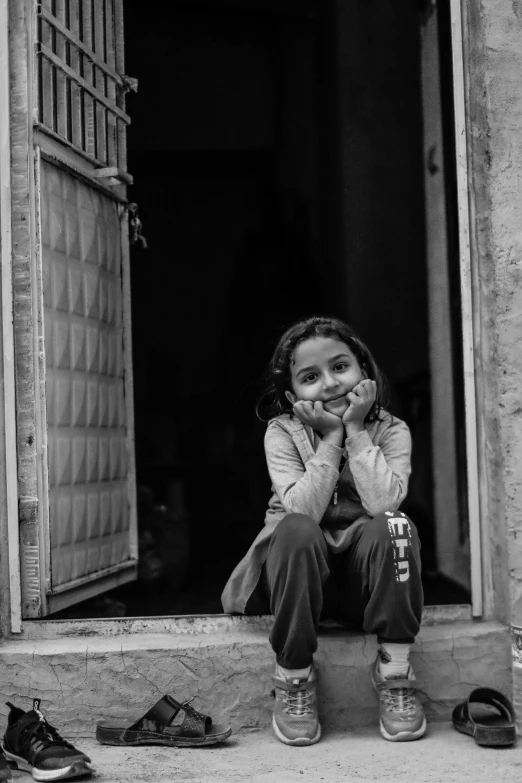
[{"x": 277, "y": 156}]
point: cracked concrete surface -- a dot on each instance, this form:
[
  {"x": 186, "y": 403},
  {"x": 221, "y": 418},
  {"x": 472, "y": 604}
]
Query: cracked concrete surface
[
  {"x": 360, "y": 756},
  {"x": 83, "y": 679}
]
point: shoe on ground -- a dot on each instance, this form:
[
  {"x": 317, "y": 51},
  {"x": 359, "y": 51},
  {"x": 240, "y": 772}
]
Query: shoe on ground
[
  {"x": 401, "y": 714},
  {"x": 5, "y": 769},
  {"x": 33, "y": 745},
  {"x": 295, "y": 720}
]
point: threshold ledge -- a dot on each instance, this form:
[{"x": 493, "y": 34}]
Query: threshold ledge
[{"x": 183, "y": 625}]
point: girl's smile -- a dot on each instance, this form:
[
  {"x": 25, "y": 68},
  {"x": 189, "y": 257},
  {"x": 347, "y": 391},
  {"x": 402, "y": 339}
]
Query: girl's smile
[{"x": 324, "y": 369}]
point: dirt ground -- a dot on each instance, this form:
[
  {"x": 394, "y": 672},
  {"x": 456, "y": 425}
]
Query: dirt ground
[{"x": 359, "y": 756}]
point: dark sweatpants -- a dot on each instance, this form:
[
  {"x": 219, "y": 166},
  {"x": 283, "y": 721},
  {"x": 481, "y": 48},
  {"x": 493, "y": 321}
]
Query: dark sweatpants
[{"x": 374, "y": 585}]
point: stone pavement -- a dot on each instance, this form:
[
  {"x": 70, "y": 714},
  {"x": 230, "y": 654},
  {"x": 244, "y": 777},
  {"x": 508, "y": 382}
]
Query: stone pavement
[{"x": 361, "y": 756}]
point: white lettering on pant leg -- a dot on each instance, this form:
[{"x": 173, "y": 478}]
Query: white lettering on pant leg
[
  {"x": 401, "y": 544},
  {"x": 399, "y": 523},
  {"x": 400, "y": 526}
]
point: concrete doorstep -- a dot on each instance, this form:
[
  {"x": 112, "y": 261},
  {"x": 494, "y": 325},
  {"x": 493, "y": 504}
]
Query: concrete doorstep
[
  {"x": 82, "y": 680},
  {"x": 83, "y": 676},
  {"x": 360, "y": 756}
]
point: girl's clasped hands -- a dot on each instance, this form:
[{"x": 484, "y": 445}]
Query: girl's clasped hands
[{"x": 359, "y": 401}]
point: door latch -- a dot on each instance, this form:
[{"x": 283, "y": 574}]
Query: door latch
[{"x": 135, "y": 226}]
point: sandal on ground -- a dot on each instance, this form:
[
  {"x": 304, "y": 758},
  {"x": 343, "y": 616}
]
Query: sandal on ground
[
  {"x": 485, "y": 725},
  {"x": 156, "y": 727}
]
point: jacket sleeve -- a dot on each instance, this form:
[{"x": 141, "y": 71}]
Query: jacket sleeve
[
  {"x": 381, "y": 473},
  {"x": 303, "y": 489}
]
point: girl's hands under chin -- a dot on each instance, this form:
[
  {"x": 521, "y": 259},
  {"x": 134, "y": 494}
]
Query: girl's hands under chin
[
  {"x": 327, "y": 424},
  {"x": 361, "y": 399}
]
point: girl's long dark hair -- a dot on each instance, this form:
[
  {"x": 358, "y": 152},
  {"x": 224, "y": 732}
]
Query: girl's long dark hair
[{"x": 273, "y": 401}]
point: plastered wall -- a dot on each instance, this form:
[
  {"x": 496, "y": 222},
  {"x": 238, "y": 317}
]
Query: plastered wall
[{"x": 494, "y": 90}]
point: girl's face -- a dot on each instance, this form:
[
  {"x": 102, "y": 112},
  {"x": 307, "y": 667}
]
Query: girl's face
[{"x": 324, "y": 369}]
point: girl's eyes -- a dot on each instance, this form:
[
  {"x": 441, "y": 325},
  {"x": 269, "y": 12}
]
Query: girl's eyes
[{"x": 339, "y": 367}]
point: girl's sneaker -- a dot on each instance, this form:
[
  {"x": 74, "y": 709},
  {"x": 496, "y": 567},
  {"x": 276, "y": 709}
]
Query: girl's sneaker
[
  {"x": 36, "y": 747},
  {"x": 295, "y": 720},
  {"x": 401, "y": 714}
]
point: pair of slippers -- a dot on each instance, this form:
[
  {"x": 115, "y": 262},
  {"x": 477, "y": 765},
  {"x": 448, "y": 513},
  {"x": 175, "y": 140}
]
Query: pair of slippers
[{"x": 487, "y": 716}]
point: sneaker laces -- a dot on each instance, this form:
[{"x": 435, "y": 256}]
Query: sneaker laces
[
  {"x": 399, "y": 699},
  {"x": 298, "y": 702},
  {"x": 38, "y": 736}
]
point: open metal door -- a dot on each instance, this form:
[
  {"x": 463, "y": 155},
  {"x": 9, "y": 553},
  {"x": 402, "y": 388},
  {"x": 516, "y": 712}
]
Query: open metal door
[
  {"x": 85, "y": 538},
  {"x": 452, "y": 532}
]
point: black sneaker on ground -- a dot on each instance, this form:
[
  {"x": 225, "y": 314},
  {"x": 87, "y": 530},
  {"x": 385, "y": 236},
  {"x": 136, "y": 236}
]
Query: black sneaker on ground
[
  {"x": 35, "y": 746},
  {"x": 5, "y": 769}
]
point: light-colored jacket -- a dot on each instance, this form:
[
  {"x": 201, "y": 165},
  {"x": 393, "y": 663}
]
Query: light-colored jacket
[{"x": 305, "y": 472}]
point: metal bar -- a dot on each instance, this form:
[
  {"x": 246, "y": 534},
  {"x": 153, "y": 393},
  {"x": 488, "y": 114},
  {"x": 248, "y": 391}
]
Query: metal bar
[
  {"x": 467, "y": 307},
  {"x": 73, "y": 37},
  {"x": 119, "y": 44},
  {"x": 97, "y": 575},
  {"x": 44, "y": 129},
  {"x": 47, "y": 97},
  {"x": 8, "y": 363},
  {"x": 112, "y": 141},
  {"x": 77, "y": 133},
  {"x": 88, "y": 103},
  {"x": 90, "y": 589},
  {"x": 112, "y": 172},
  {"x": 82, "y": 174},
  {"x": 61, "y": 80},
  {"x": 98, "y": 96},
  {"x": 119, "y": 50},
  {"x": 100, "y": 81}
]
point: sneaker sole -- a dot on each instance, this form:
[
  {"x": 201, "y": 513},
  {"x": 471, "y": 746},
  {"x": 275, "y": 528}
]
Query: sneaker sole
[
  {"x": 5, "y": 774},
  {"x": 404, "y": 736},
  {"x": 107, "y": 735},
  {"x": 75, "y": 770},
  {"x": 298, "y": 741}
]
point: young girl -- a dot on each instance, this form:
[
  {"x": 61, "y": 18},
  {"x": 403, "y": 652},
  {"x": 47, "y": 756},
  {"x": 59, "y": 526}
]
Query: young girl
[{"x": 334, "y": 542}]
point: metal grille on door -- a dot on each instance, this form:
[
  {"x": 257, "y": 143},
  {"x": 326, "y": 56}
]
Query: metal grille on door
[{"x": 81, "y": 81}]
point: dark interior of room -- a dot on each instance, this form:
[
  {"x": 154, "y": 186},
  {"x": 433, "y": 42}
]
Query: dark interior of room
[{"x": 276, "y": 151}]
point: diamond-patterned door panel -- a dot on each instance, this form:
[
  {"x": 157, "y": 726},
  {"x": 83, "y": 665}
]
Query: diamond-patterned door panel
[{"x": 83, "y": 331}]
